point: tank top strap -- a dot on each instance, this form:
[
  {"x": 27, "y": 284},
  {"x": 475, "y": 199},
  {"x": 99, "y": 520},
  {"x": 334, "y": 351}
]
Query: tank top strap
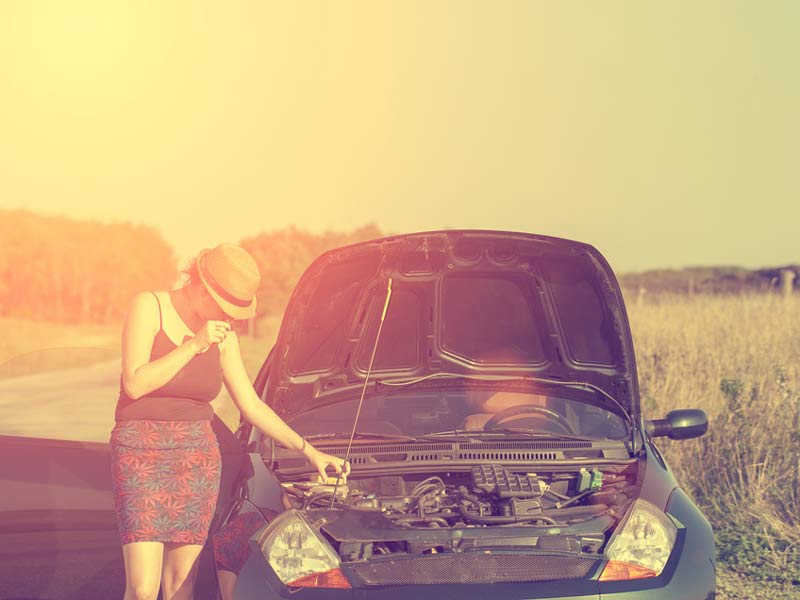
[{"x": 160, "y": 322}]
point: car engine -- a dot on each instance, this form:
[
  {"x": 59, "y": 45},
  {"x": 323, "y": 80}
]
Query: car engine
[{"x": 537, "y": 505}]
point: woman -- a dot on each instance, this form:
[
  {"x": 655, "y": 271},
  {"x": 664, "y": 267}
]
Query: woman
[{"x": 177, "y": 351}]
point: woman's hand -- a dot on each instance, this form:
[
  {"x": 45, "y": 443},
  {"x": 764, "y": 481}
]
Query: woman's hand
[
  {"x": 212, "y": 332},
  {"x": 321, "y": 460}
]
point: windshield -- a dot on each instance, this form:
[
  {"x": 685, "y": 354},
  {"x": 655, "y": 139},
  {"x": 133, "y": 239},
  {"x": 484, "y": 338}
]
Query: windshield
[{"x": 418, "y": 413}]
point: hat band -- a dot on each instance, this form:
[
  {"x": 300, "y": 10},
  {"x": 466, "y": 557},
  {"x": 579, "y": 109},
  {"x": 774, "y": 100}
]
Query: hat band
[{"x": 223, "y": 293}]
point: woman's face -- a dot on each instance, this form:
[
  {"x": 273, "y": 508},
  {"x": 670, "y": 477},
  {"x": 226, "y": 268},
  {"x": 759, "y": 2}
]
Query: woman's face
[{"x": 207, "y": 307}]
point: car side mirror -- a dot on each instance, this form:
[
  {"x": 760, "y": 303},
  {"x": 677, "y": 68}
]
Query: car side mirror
[{"x": 681, "y": 424}]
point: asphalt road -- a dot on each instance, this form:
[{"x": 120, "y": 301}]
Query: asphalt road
[{"x": 70, "y": 404}]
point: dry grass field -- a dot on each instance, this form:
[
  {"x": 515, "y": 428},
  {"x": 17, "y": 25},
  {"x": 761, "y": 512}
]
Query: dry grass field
[{"x": 736, "y": 357}]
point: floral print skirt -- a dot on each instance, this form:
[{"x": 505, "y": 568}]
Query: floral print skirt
[{"x": 165, "y": 480}]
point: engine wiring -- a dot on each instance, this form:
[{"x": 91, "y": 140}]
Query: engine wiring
[{"x": 440, "y": 502}]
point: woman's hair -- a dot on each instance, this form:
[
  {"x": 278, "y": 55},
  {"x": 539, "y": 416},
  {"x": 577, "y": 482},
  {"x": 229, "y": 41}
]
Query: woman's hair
[{"x": 190, "y": 272}]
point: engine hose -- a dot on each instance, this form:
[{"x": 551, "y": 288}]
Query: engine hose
[
  {"x": 473, "y": 499},
  {"x": 313, "y": 498},
  {"x": 574, "y": 498},
  {"x": 422, "y": 500},
  {"x": 407, "y": 521},
  {"x": 557, "y": 495},
  {"x": 502, "y": 520},
  {"x": 435, "y": 481},
  {"x": 425, "y": 487}
]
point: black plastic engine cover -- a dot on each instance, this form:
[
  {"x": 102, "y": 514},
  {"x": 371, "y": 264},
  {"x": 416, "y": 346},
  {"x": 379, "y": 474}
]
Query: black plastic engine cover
[{"x": 494, "y": 479}]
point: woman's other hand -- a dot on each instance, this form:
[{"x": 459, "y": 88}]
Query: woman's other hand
[{"x": 212, "y": 332}]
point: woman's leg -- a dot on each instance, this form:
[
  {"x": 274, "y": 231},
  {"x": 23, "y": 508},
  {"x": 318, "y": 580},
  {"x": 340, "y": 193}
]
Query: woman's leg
[
  {"x": 142, "y": 569},
  {"x": 180, "y": 568},
  {"x": 227, "y": 583}
]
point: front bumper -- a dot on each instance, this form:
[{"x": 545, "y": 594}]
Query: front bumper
[{"x": 682, "y": 578}]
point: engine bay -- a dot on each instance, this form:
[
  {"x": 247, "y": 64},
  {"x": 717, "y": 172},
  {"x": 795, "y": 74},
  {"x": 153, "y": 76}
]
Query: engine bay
[{"x": 416, "y": 514}]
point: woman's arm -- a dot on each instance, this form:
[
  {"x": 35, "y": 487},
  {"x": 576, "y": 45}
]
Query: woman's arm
[
  {"x": 139, "y": 375},
  {"x": 261, "y": 416}
]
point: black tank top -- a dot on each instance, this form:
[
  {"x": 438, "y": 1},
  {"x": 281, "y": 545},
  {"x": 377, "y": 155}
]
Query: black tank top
[{"x": 186, "y": 396}]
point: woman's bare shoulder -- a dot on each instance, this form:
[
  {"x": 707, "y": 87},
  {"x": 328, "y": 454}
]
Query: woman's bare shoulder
[
  {"x": 149, "y": 297},
  {"x": 142, "y": 300},
  {"x": 145, "y": 306}
]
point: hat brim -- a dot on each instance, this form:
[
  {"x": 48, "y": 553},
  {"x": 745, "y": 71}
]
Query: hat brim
[{"x": 235, "y": 311}]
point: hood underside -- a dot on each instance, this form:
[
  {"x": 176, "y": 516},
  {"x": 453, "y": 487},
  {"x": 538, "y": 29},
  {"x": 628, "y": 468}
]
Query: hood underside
[{"x": 471, "y": 303}]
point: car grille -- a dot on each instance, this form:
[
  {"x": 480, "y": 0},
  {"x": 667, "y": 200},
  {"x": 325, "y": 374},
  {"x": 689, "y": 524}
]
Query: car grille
[{"x": 472, "y": 568}]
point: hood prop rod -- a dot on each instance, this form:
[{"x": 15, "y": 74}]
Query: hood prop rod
[{"x": 364, "y": 389}]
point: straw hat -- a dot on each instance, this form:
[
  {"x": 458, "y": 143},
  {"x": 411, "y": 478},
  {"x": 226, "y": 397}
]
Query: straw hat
[{"x": 231, "y": 276}]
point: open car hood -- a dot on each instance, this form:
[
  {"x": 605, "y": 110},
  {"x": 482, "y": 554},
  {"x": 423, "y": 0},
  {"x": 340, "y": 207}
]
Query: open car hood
[{"x": 464, "y": 302}]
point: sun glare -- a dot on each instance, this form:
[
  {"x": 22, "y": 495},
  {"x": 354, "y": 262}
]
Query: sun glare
[{"x": 76, "y": 55}]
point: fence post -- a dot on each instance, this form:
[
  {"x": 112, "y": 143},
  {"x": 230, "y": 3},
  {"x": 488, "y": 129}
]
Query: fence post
[{"x": 787, "y": 281}]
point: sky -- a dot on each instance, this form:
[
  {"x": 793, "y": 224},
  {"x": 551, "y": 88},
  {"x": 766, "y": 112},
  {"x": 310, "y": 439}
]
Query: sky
[{"x": 665, "y": 134}]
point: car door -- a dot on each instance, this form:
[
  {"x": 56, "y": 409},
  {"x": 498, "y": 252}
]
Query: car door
[
  {"x": 58, "y": 530},
  {"x": 58, "y": 533}
]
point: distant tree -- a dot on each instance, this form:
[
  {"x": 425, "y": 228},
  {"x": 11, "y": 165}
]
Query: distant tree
[{"x": 69, "y": 271}]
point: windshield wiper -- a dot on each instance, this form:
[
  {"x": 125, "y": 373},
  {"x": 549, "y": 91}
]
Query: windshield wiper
[
  {"x": 362, "y": 435},
  {"x": 450, "y": 435},
  {"x": 539, "y": 434},
  {"x": 530, "y": 433}
]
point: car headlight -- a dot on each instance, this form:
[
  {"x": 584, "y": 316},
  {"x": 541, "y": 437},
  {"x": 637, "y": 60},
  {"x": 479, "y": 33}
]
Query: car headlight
[
  {"x": 642, "y": 544},
  {"x": 299, "y": 557}
]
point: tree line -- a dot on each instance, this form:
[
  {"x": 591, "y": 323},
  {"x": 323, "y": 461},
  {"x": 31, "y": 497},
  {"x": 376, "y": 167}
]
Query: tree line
[
  {"x": 712, "y": 280},
  {"x": 69, "y": 271}
]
